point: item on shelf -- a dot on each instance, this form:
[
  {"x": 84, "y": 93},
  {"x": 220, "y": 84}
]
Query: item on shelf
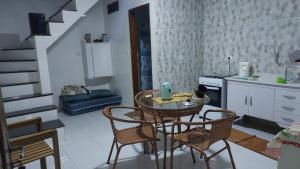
[
  {"x": 88, "y": 38},
  {"x": 105, "y": 37},
  {"x": 244, "y": 69},
  {"x": 98, "y": 40}
]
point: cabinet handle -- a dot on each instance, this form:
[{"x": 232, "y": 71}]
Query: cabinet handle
[
  {"x": 246, "y": 100},
  {"x": 251, "y": 101},
  {"x": 289, "y": 97},
  {"x": 288, "y": 108},
  {"x": 287, "y": 120}
]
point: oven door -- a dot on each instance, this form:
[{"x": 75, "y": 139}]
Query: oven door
[{"x": 215, "y": 95}]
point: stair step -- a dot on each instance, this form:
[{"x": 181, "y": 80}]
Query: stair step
[
  {"x": 28, "y": 37},
  {"x": 18, "y": 84},
  {"x": 56, "y": 21},
  {"x": 9, "y": 99},
  {"x": 19, "y": 60},
  {"x": 30, "y": 111},
  {"x": 18, "y": 49},
  {"x": 74, "y": 10},
  {"x": 53, "y": 124},
  {"x": 18, "y": 71}
]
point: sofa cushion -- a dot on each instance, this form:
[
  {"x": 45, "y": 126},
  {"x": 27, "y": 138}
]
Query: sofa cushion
[
  {"x": 100, "y": 93},
  {"x": 75, "y": 98}
]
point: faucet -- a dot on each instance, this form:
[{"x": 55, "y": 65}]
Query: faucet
[{"x": 276, "y": 55}]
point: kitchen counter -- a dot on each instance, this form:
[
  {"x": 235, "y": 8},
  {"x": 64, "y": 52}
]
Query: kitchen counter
[{"x": 264, "y": 79}]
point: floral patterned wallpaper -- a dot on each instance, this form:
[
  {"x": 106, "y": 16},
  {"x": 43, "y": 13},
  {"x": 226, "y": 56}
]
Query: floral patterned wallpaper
[
  {"x": 194, "y": 37},
  {"x": 177, "y": 57},
  {"x": 246, "y": 29}
]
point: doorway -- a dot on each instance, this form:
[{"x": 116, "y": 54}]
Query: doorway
[{"x": 140, "y": 40}]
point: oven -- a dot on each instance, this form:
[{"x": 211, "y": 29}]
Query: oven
[
  {"x": 216, "y": 90},
  {"x": 215, "y": 95}
]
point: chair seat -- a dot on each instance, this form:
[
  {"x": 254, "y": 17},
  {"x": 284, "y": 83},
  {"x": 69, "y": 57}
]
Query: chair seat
[
  {"x": 32, "y": 152},
  {"x": 135, "y": 135},
  {"x": 197, "y": 138}
]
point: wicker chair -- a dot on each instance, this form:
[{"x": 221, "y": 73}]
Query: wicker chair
[
  {"x": 32, "y": 147},
  {"x": 142, "y": 133},
  {"x": 198, "y": 137}
]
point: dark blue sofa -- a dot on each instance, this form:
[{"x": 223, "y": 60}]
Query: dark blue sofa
[{"x": 79, "y": 104}]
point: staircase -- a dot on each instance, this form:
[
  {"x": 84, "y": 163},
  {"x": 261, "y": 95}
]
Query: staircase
[{"x": 24, "y": 74}]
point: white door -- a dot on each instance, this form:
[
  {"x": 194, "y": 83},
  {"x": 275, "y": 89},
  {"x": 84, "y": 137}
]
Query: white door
[
  {"x": 261, "y": 103},
  {"x": 102, "y": 59},
  {"x": 237, "y": 98}
]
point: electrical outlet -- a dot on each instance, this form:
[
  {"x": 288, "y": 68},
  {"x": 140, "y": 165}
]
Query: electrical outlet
[{"x": 229, "y": 57}]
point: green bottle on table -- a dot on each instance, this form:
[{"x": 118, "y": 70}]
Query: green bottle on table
[{"x": 166, "y": 91}]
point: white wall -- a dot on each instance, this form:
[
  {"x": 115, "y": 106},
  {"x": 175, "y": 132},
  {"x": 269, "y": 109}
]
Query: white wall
[
  {"x": 117, "y": 26},
  {"x": 65, "y": 56},
  {"x": 14, "y": 14}
]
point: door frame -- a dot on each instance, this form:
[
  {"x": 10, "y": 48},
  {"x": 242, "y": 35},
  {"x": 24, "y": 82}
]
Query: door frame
[{"x": 135, "y": 66}]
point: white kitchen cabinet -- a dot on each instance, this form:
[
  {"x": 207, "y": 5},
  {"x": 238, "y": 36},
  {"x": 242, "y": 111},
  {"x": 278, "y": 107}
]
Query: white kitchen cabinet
[
  {"x": 253, "y": 100},
  {"x": 261, "y": 102},
  {"x": 265, "y": 99},
  {"x": 97, "y": 60},
  {"x": 237, "y": 98}
]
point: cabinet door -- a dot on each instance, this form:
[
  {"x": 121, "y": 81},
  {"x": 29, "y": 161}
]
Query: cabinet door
[
  {"x": 102, "y": 59},
  {"x": 237, "y": 98},
  {"x": 261, "y": 103}
]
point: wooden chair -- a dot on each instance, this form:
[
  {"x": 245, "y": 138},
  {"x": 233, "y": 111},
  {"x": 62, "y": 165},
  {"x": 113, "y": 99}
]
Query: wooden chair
[
  {"x": 142, "y": 133},
  {"x": 32, "y": 147},
  {"x": 198, "y": 137}
]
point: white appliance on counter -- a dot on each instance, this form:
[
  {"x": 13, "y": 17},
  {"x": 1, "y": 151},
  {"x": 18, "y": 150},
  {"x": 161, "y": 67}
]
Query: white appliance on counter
[
  {"x": 244, "y": 69},
  {"x": 216, "y": 89}
]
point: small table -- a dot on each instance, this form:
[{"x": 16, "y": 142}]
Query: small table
[{"x": 176, "y": 109}]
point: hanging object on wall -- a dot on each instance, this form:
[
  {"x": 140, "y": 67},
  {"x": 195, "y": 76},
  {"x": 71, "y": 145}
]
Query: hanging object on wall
[{"x": 113, "y": 7}]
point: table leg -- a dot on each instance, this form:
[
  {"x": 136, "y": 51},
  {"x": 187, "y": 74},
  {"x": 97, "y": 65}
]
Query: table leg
[{"x": 165, "y": 143}]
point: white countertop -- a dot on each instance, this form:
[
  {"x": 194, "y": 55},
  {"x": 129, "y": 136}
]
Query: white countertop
[{"x": 264, "y": 79}]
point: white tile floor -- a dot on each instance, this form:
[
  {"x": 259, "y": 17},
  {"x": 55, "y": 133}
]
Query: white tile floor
[{"x": 87, "y": 139}]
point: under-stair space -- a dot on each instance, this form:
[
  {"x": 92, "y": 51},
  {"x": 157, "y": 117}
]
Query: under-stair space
[{"x": 24, "y": 74}]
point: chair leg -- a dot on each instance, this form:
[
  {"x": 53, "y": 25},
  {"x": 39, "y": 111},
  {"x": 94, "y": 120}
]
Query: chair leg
[
  {"x": 43, "y": 163},
  {"x": 201, "y": 155},
  {"x": 146, "y": 148},
  {"x": 206, "y": 159},
  {"x": 116, "y": 159},
  {"x": 56, "y": 152},
  {"x": 193, "y": 156},
  {"x": 156, "y": 154},
  {"x": 171, "y": 153},
  {"x": 111, "y": 150},
  {"x": 230, "y": 154}
]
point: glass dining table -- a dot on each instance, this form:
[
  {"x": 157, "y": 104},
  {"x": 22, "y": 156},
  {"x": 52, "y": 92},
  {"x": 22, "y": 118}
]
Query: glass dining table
[{"x": 181, "y": 105}]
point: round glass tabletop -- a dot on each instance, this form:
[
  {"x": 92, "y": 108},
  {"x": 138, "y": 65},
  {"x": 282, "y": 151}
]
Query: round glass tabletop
[{"x": 151, "y": 100}]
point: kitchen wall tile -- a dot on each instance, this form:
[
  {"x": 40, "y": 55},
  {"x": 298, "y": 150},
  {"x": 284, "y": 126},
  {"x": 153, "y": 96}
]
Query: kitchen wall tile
[
  {"x": 247, "y": 30},
  {"x": 178, "y": 37}
]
